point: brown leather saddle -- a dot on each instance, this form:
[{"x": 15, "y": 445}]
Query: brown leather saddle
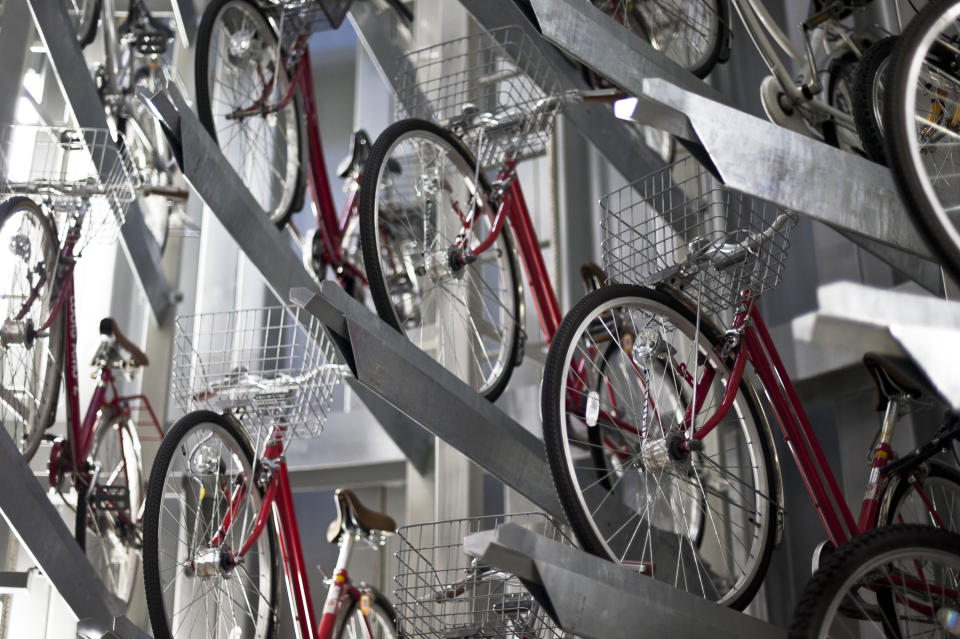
[{"x": 352, "y": 515}]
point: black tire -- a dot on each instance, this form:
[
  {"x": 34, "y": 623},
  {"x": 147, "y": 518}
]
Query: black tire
[
  {"x": 106, "y": 536},
  {"x": 903, "y": 141},
  {"x": 553, "y": 409},
  {"x": 169, "y": 447},
  {"x": 869, "y": 79},
  {"x": 19, "y": 361},
  {"x": 840, "y": 96},
  {"x": 84, "y": 20},
  {"x": 834, "y": 592},
  {"x": 381, "y": 163},
  {"x": 941, "y": 486},
  {"x": 717, "y": 26},
  {"x": 385, "y": 618},
  {"x": 211, "y": 14}
]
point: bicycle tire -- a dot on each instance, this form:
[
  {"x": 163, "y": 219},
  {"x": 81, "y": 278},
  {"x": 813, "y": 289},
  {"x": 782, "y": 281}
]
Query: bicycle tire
[
  {"x": 908, "y": 145},
  {"x": 240, "y": 452},
  {"x": 941, "y": 486},
  {"x": 833, "y": 595},
  {"x": 711, "y": 26},
  {"x": 84, "y": 21},
  {"x": 19, "y": 361},
  {"x": 395, "y": 287},
  {"x": 291, "y": 180},
  {"x": 869, "y": 79},
  {"x": 841, "y": 72},
  {"x": 108, "y": 528},
  {"x": 760, "y": 508},
  {"x": 350, "y": 625}
]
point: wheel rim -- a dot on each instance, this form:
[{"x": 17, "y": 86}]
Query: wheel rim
[
  {"x": 380, "y": 621},
  {"x": 264, "y": 149},
  {"x": 878, "y": 89},
  {"x": 235, "y": 602},
  {"x": 111, "y": 539},
  {"x": 153, "y": 161},
  {"x": 942, "y": 493},
  {"x": 699, "y": 522},
  {"x": 932, "y": 573},
  {"x": 682, "y": 30},
  {"x": 930, "y": 116},
  {"x": 28, "y": 365},
  {"x": 465, "y": 316}
]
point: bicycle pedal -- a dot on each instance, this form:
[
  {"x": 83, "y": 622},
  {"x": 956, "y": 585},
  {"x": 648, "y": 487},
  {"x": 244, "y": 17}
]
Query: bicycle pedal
[{"x": 112, "y": 498}]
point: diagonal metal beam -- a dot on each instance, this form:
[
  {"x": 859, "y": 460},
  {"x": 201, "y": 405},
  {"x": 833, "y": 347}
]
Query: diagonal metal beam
[
  {"x": 77, "y": 85},
  {"x": 267, "y": 247},
  {"x": 580, "y": 591}
]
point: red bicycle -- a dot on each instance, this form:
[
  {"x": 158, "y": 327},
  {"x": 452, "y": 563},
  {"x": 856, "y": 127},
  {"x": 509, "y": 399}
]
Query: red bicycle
[
  {"x": 252, "y": 381},
  {"x": 253, "y": 84},
  {"x": 659, "y": 446},
  {"x": 442, "y": 211},
  {"x": 97, "y": 467}
]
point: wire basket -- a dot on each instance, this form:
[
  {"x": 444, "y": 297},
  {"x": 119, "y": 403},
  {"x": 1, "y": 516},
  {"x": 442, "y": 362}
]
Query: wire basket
[
  {"x": 498, "y": 75},
  {"x": 300, "y": 18},
  {"x": 443, "y": 593},
  {"x": 83, "y": 177},
  {"x": 681, "y": 226},
  {"x": 271, "y": 367}
]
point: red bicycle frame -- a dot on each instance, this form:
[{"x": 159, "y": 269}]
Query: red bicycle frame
[
  {"x": 278, "y": 499},
  {"x": 331, "y": 227},
  {"x": 757, "y": 346},
  {"x": 68, "y": 456}
]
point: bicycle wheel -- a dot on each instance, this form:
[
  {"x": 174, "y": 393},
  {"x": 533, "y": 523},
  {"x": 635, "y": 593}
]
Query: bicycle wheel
[
  {"x": 840, "y": 96},
  {"x": 30, "y": 360},
  {"x": 84, "y": 17},
  {"x": 692, "y": 33},
  {"x": 106, "y": 521},
  {"x": 418, "y": 190},
  {"x": 704, "y": 521},
  {"x": 922, "y": 112},
  {"x": 381, "y": 619},
  {"x": 901, "y": 581},
  {"x": 869, "y": 83},
  {"x": 941, "y": 488},
  {"x": 236, "y": 74},
  {"x": 152, "y": 158},
  {"x": 203, "y": 460}
]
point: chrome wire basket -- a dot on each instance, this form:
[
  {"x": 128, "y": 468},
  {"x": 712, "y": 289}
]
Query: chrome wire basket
[
  {"x": 493, "y": 88},
  {"x": 443, "y": 593},
  {"x": 83, "y": 177},
  {"x": 299, "y": 18},
  {"x": 681, "y": 226},
  {"x": 272, "y": 368}
]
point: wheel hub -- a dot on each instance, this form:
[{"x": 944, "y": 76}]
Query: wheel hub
[
  {"x": 663, "y": 453},
  {"x": 213, "y": 562},
  {"x": 20, "y": 246},
  {"x": 14, "y": 332}
]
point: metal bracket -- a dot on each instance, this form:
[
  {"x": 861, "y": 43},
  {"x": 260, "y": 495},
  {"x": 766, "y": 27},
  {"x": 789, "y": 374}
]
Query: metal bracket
[
  {"x": 591, "y": 597},
  {"x": 67, "y": 60}
]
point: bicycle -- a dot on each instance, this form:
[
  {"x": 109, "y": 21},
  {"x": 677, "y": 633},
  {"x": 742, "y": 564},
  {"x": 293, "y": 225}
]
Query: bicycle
[
  {"x": 135, "y": 54},
  {"x": 659, "y": 446},
  {"x": 254, "y": 82},
  {"x": 439, "y": 238},
  {"x": 902, "y": 581},
  {"x": 442, "y": 593},
  {"x": 922, "y": 111},
  {"x": 250, "y": 382},
  {"x": 696, "y": 34},
  {"x": 83, "y": 182}
]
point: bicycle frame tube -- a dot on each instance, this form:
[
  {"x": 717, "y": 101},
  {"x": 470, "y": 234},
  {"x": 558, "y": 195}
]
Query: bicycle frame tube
[
  {"x": 278, "y": 500},
  {"x": 794, "y": 425}
]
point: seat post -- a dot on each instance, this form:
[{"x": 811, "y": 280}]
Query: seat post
[
  {"x": 346, "y": 550},
  {"x": 882, "y": 453}
]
